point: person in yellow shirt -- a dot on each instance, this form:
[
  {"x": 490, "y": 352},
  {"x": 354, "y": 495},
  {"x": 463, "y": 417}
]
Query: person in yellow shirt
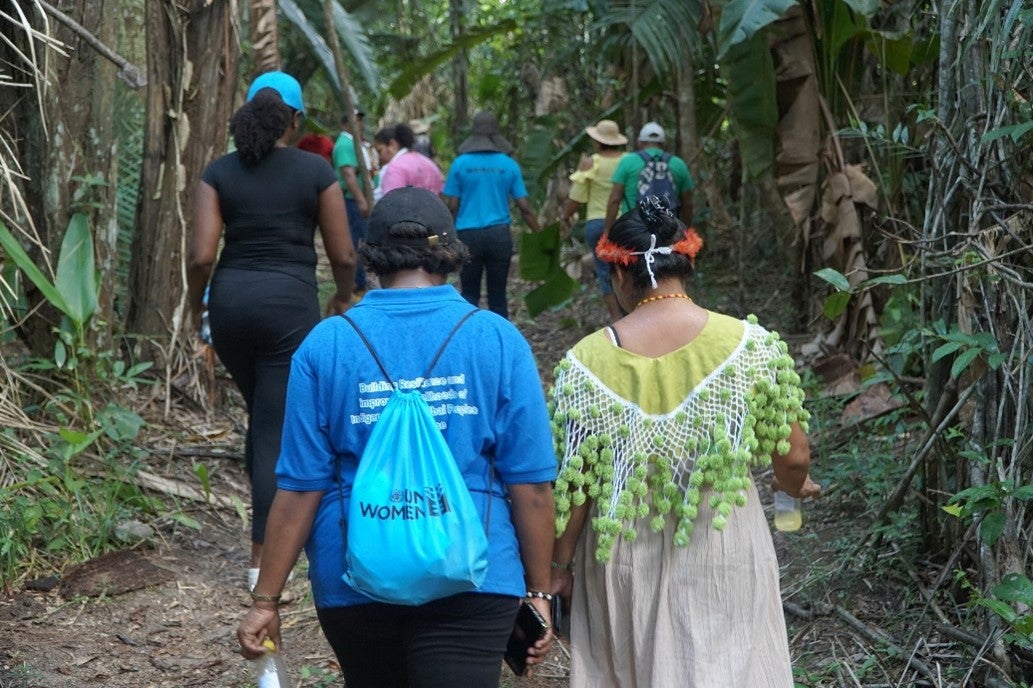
[{"x": 591, "y": 187}]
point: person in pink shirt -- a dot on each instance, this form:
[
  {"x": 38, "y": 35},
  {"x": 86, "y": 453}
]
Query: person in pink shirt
[{"x": 401, "y": 166}]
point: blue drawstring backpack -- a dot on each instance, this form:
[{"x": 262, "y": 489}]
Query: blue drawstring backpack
[{"x": 413, "y": 533}]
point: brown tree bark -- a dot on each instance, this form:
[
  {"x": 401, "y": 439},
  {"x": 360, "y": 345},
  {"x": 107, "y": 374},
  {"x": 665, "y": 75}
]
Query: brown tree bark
[
  {"x": 65, "y": 142},
  {"x": 192, "y": 58},
  {"x": 456, "y": 21},
  {"x": 264, "y": 35}
]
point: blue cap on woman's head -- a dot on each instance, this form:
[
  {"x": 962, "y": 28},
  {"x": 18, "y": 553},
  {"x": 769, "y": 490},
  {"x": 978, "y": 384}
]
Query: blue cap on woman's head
[{"x": 284, "y": 84}]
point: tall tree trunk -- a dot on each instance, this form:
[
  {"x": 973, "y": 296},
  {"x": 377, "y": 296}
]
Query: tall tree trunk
[
  {"x": 349, "y": 105},
  {"x": 688, "y": 131},
  {"x": 66, "y": 146},
  {"x": 264, "y": 34},
  {"x": 456, "y": 20},
  {"x": 192, "y": 80}
]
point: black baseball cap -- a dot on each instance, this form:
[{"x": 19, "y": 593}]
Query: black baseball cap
[{"x": 411, "y": 204}]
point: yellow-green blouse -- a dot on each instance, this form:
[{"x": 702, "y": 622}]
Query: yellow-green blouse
[{"x": 645, "y": 435}]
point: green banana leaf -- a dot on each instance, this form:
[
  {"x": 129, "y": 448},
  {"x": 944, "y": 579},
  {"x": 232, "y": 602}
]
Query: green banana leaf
[
  {"x": 76, "y": 279},
  {"x": 742, "y": 19},
  {"x": 555, "y": 292},
  {"x": 20, "y": 258},
  {"x": 752, "y": 105},
  {"x": 539, "y": 255}
]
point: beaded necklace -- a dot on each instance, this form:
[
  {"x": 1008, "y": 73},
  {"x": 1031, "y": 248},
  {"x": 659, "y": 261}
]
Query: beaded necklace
[{"x": 661, "y": 297}]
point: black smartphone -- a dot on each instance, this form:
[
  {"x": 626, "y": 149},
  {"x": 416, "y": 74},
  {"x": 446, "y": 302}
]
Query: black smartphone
[
  {"x": 558, "y": 619},
  {"x": 530, "y": 627}
]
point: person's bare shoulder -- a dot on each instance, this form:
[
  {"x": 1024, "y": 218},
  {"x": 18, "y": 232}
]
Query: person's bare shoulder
[{"x": 586, "y": 163}]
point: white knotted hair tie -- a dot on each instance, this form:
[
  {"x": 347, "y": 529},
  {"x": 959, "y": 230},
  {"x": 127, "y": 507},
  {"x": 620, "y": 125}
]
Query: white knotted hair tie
[{"x": 650, "y": 254}]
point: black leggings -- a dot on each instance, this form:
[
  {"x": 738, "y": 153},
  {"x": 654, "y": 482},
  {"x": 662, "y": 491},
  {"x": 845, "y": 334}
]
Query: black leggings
[
  {"x": 258, "y": 319},
  {"x": 491, "y": 250},
  {"x": 454, "y": 642}
]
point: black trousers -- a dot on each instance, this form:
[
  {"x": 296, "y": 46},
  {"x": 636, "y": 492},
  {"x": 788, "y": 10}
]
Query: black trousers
[
  {"x": 258, "y": 320},
  {"x": 491, "y": 250},
  {"x": 455, "y": 642}
]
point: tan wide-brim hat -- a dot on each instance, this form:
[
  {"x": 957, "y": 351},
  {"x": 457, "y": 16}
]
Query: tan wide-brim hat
[{"x": 607, "y": 133}]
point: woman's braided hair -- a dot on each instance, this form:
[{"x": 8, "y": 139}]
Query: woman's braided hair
[
  {"x": 632, "y": 230},
  {"x": 259, "y": 124}
]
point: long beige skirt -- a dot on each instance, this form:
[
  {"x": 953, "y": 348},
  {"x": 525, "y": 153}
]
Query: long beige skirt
[{"x": 704, "y": 616}]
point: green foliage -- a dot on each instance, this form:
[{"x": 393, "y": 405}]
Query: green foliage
[
  {"x": 318, "y": 677},
  {"x": 741, "y": 20},
  {"x": 660, "y": 28},
  {"x": 70, "y": 492},
  {"x": 415, "y": 71},
  {"x": 748, "y": 69},
  {"x": 1014, "y": 590},
  {"x": 968, "y": 348},
  {"x": 835, "y": 304},
  {"x": 988, "y": 501},
  {"x": 70, "y": 509},
  {"x": 540, "y": 260},
  {"x": 308, "y": 17}
]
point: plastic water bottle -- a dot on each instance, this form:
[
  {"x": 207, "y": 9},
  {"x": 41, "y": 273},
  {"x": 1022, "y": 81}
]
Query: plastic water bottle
[
  {"x": 205, "y": 333},
  {"x": 788, "y": 516},
  {"x": 270, "y": 670}
]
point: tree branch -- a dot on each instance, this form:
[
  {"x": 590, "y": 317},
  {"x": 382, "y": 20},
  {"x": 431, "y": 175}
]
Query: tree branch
[{"x": 128, "y": 72}]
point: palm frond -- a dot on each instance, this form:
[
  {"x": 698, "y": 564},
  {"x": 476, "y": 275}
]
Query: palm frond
[
  {"x": 741, "y": 19},
  {"x": 661, "y": 28},
  {"x": 307, "y": 15}
]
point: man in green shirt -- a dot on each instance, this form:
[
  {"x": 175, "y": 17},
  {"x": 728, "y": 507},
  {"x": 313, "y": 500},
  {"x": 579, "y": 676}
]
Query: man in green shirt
[
  {"x": 624, "y": 194},
  {"x": 346, "y": 165}
]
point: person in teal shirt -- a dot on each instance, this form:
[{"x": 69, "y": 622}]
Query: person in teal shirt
[
  {"x": 624, "y": 194},
  {"x": 479, "y": 186},
  {"x": 346, "y": 165}
]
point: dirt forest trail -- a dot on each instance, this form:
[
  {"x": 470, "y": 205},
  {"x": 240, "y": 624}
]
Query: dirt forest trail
[{"x": 179, "y": 630}]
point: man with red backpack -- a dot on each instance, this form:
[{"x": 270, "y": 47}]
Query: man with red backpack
[{"x": 650, "y": 171}]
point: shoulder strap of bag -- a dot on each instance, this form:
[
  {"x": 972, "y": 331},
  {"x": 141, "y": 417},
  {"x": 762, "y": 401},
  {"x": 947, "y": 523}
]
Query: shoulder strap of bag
[{"x": 433, "y": 362}]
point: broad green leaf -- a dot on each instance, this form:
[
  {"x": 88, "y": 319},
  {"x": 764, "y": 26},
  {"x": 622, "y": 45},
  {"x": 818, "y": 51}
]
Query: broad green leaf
[
  {"x": 835, "y": 304},
  {"x": 19, "y": 257},
  {"x": 1015, "y": 587},
  {"x": 1001, "y": 609},
  {"x": 540, "y": 253},
  {"x": 139, "y": 368},
  {"x": 752, "y": 103},
  {"x": 835, "y": 278},
  {"x": 77, "y": 441},
  {"x": 72, "y": 436},
  {"x": 884, "y": 279},
  {"x": 536, "y": 153},
  {"x": 60, "y": 353},
  {"x": 239, "y": 507},
  {"x": 962, "y": 361},
  {"x": 953, "y": 509},
  {"x": 948, "y": 348},
  {"x": 1023, "y": 624},
  {"x": 558, "y": 290},
  {"x": 893, "y": 51},
  {"x": 1015, "y": 131},
  {"x": 1024, "y": 492},
  {"x": 991, "y": 527},
  {"x": 76, "y": 271},
  {"x": 403, "y": 83},
  {"x": 180, "y": 517},
  {"x": 742, "y": 19},
  {"x": 120, "y": 423}
]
